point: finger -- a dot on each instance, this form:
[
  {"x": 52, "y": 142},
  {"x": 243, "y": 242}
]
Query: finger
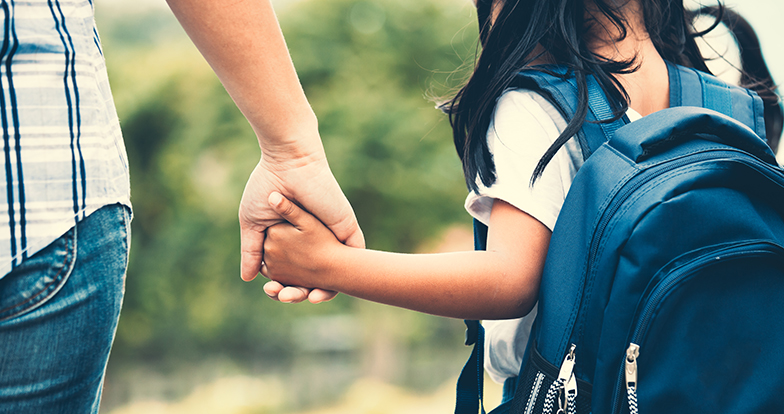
[
  {"x": 293, "y": 294},
  {"x": 320, "y": 295},
  {"x": 288, "y": 210},
  {"x": 272, "y": 289},
  {"x": 347, "y": 230},
  {"x": 251, "y": 247}
]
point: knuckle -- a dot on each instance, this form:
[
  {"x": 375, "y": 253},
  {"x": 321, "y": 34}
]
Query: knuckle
[
  {"x": 290, "y": 210},
  {"x": 270, "y": 253},
  {"x": 275, "y": 232}
]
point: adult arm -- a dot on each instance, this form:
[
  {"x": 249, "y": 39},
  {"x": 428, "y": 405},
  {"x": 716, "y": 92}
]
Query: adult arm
[
  {"x": 243, "y": 43},
  {"x": 500, "y": 283}
]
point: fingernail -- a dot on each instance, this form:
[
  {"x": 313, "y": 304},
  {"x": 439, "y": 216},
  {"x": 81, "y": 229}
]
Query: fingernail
[{"x": 275, "y": 198}]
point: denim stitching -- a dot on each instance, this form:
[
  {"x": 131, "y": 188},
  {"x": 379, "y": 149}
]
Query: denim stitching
[
  {"x": 127, "y": 216},
  {"x": 46, "y": 289}
]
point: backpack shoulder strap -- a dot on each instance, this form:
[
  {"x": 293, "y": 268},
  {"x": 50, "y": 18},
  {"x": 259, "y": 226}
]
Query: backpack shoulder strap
[
  {"x": 470, "y": 384},
  {"x": 690, "y": 87}
]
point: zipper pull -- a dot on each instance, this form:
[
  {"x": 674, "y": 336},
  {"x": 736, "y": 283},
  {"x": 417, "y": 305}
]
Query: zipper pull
[
  {"x": 632, "y": 353},
  {"x": 565, "y": 379},
  {"x": 567, "y": 368},
  {"x": 556, "y": 391}
]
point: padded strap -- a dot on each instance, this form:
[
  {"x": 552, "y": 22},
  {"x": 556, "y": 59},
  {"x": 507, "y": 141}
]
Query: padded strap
[
  {"x": 716, "y": 95},
  {"x": 600, "y": 108},
  {"x": 470, "y": 384},
  {"x": 690, "y": 87}
]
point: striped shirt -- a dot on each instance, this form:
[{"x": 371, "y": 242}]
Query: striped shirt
[{"x": 63, "y": 155}]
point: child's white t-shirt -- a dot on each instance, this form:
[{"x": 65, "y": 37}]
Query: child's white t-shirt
[{"x": 523, "y": 127}]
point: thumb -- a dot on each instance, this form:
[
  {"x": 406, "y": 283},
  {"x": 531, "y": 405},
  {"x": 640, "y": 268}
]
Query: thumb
[
  {"x": 288, "y": 210},
  {"x": 356, "y": 239},
  {"x": 251, "y": 247}
]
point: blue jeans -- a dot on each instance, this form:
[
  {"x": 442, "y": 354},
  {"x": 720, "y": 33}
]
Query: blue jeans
[{"x": 58, "y": 316}]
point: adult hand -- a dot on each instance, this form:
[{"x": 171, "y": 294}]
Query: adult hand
[{"x": 309, "y": 181}]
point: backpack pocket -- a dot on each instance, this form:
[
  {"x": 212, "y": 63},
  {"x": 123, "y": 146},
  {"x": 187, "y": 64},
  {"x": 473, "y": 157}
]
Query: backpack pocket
[
  {"x": 536, "y": 382},
  {"x": 707, "y": 335}
]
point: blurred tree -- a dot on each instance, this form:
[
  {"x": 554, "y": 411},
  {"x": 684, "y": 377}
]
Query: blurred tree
[{"x": 368, "y": 68}]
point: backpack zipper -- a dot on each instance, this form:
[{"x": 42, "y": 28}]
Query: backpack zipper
[
  {"x": 631, "y": 376},
  {"x": 546, "y": 370},
  {"x": 673, "y": 278}
]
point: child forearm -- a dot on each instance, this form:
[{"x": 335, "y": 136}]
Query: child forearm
[{"x": 466, "y": 285}]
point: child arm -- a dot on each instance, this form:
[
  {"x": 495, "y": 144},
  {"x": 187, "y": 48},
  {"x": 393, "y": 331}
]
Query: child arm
[{"x": 500, "y": 283}]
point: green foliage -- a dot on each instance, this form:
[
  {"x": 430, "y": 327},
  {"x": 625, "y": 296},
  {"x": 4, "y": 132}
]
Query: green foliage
[{"x": 368, "y": 68}]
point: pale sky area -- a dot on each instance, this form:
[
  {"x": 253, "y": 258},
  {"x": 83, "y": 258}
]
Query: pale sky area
[{"x": 766, "y": 18}]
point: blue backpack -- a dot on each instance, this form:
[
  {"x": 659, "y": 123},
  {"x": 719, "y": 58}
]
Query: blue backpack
[{"x": 663, "y": 288}]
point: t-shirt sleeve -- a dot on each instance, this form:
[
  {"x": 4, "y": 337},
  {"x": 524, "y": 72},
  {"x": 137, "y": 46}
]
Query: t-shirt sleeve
[{"x": 523, "y": 127}]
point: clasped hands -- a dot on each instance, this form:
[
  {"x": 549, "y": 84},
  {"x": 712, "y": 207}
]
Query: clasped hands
[
  {"x": 265, "y": 203},
  {"x": 298, "y": 252}
]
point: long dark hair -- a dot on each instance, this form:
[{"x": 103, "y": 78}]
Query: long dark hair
[{"x": 560, "y": 27}]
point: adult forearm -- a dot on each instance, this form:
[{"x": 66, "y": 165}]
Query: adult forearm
[
  {"x": 466, "y": 285},
  {"x": 243, "y": 43}
]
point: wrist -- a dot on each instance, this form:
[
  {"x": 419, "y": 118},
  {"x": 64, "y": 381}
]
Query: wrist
[
  {"x": 298, "y": 140},
  {"x": 337, "y": 268}
]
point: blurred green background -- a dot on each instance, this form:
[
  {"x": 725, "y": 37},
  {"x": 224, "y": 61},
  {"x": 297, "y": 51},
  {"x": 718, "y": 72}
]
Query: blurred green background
[
  {"x": 373, "y": 71},
  {"x": 192, "y": 336}
]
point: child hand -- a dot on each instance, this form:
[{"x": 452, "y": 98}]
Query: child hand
[{"x": 299, "y": 251}]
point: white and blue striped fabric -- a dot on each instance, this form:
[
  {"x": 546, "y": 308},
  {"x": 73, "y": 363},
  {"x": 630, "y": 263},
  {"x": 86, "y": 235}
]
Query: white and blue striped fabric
[{"x": 63, "y": 155}]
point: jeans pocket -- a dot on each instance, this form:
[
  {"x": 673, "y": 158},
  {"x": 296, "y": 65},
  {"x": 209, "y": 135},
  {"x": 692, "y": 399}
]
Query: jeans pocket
[{"x": 38, "y": 278}]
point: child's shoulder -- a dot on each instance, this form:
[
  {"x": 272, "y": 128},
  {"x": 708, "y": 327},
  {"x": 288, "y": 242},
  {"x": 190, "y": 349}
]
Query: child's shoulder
[
  {"x": 525, "y": 103},
  {"x": 526, "y": 110}
]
